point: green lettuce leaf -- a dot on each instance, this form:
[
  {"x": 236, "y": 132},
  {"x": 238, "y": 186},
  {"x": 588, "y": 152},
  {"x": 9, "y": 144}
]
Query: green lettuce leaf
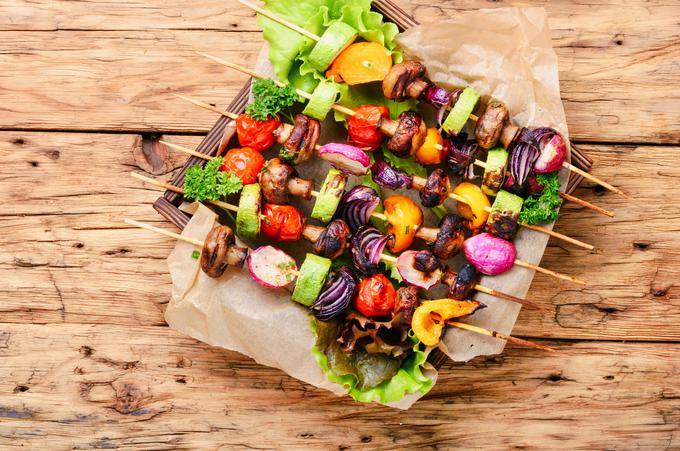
[
  {"x": 360, "y": 374},
  {"x": 408, "y": 165}
]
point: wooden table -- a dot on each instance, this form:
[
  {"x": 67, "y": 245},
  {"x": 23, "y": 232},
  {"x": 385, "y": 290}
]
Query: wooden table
[{"x": 87, "y": 360}]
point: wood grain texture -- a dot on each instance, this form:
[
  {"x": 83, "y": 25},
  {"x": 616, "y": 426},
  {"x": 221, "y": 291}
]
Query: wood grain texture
[
  {"x": 65, "y": 64},
  {"x": 86, "y": 360},
  {"x": 151, "y": 388},
  {"x": 68, "y": 258}
]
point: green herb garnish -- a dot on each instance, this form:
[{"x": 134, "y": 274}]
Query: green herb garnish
[
  {"x": 269, "y": 100},
  {"x": 195, "y": 255},
  {"x": 209, "y": 183},
  {"x": 543, "y": 209}
]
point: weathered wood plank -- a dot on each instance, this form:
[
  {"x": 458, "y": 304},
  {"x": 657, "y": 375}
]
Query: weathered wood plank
[
  {"x": 65, "y": 256},
  {"x": 86, "y": 386},
  {"x": 53, "y": 77}
]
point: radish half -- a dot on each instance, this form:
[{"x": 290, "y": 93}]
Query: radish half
[
  {"x": 346, "y": 158},
  {"x": 406, "y": 265},
  {"x": 271, "y": 267}
]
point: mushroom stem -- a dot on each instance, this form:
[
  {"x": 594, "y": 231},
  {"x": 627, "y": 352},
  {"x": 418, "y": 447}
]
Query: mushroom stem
[
  {"x": 427, "y": 234},
  {"x": 300, "y": 187}
]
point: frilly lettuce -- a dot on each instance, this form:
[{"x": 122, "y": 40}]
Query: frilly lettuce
[
  {"x": 289, "y": 50},
  {"x": 409, "y": 378}
]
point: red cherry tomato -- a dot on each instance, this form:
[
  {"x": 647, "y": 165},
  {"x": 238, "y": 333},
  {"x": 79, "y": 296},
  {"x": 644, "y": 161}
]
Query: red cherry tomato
[
  {"x": 364, "y": 127},
  {"x": 258, "y": 135},
  {"x": 376, "y": 296},
  {"x": 282, "y": 222},
  {"x": 244, "y": 163}
]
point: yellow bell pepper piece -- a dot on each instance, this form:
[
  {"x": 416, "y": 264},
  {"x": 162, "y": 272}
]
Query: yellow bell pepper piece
[
  {"x": 430, "y": 317},
  {"x": 404, "y": 217},
  {"x": 432, "y": 151},
  {"x": 475, "y": 206}
]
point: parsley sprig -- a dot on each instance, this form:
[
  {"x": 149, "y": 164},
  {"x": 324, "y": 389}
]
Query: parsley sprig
[
  {"x": 209, "y": 183},
  {"x": 543, "y": 209},
  {"x": 269, "y": 100}
]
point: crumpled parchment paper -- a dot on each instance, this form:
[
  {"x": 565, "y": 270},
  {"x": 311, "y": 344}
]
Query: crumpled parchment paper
[{"x": 505, "y": 53}]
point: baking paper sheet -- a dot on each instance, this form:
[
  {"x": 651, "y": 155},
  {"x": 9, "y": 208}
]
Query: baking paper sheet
[{"x": 505, "y": 53}]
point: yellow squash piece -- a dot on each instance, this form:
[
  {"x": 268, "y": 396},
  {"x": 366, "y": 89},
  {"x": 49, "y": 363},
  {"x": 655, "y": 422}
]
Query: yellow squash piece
[
  {"x": 430, "y": 317},
  {"x": 362, "y": 62}
]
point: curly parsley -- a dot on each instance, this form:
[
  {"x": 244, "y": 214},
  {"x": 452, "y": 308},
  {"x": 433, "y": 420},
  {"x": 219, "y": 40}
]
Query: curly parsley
[
  {"x": 269, "y": 100},
  {"x": 209, "y": 183},
  {"x": 543, "y": 209}
]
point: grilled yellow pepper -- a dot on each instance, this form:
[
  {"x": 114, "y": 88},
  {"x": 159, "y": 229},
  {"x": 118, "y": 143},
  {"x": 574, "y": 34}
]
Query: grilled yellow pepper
[{"x": 430, "y": 317}]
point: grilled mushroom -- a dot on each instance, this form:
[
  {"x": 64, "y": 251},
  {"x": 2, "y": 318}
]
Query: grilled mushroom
[
  {"x": 405, "y": 80},
  {"x": 279, "y": 182},
  {"x": 436, "y": 189},
  {"x": 464, "y": 283},
  {"x": 406, "y": 303},
  {"x": 302, "y": 140},
  {"x": 332, "y": 241},
  {"x": 490, "y": 124},
  {"x": 219, "y": 251},
  {"x": 503, "y": 224},
  {"x": 450, "y": 237},
  {"x": 409, "y": 134}
]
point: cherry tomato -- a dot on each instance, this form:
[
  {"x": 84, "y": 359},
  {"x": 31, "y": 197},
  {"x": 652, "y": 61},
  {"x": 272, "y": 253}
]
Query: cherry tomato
[
  {"x": 376, "y": 296},
  {"x": 282, "y": 222},
  {"x": 245, "y": 163},
  {"x": 364, "y": 127},
  {"x": 258, "y": 135}
]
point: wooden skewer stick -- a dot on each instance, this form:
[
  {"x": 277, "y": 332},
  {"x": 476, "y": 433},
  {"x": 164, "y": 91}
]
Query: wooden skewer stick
[
  {"x": 565, "y": 196},
  {"x": 252, "y": 73},
  {"x": 496, "y": 334},
  {"x": 555, "y": 274},
  {"x": 207, "y": 106},
  {"x": 280, "y": 20},
  {"x": 177, "y": 236}
]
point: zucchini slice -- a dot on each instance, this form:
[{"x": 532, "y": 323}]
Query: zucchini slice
[
  {"x": 507, "y": 202},
  {"x": 329, "y": 197},
  {"x": 461, "y": 111},
  {"x": 323, "y": 98},
  {"x": 333, "y": 41},
  {"x": 248, "y": 215},
  {"x": 311, "y": 279},
  {"x": 494, "y": 174}
]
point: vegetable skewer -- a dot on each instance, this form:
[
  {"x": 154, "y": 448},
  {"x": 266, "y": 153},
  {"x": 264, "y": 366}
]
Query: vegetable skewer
[
  {"x": 293, "y": 271},
  {"x": 417, "y": 182},
  {"x": 388, "y": 128},
  {"x": 385, "y": 257},
  {"x": 311, "y": 233},
  {"x": 406, "y": 79}
]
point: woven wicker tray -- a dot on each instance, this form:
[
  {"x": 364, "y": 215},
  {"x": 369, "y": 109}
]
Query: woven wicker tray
[{"x": 221, "y": 137}]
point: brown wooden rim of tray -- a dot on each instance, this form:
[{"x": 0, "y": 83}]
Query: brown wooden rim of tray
[{"x": 222, "y": 133}]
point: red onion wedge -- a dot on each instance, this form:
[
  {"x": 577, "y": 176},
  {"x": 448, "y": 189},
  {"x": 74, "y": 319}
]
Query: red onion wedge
[
  {"x": 367, "y": 245},
  {"x": 388, "y": 177},
  {"x": 346, "y": 158},
  {"x": 336, "y": 294},
  {"x": 271, "y": 267},
  {"x": 411, "y": 269},
  {"x": 523, "y": 155},
  {"x": 489, "y": 254},
  {"x": 553, "y": 150},
  {"x": 357, "y": 206}
]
